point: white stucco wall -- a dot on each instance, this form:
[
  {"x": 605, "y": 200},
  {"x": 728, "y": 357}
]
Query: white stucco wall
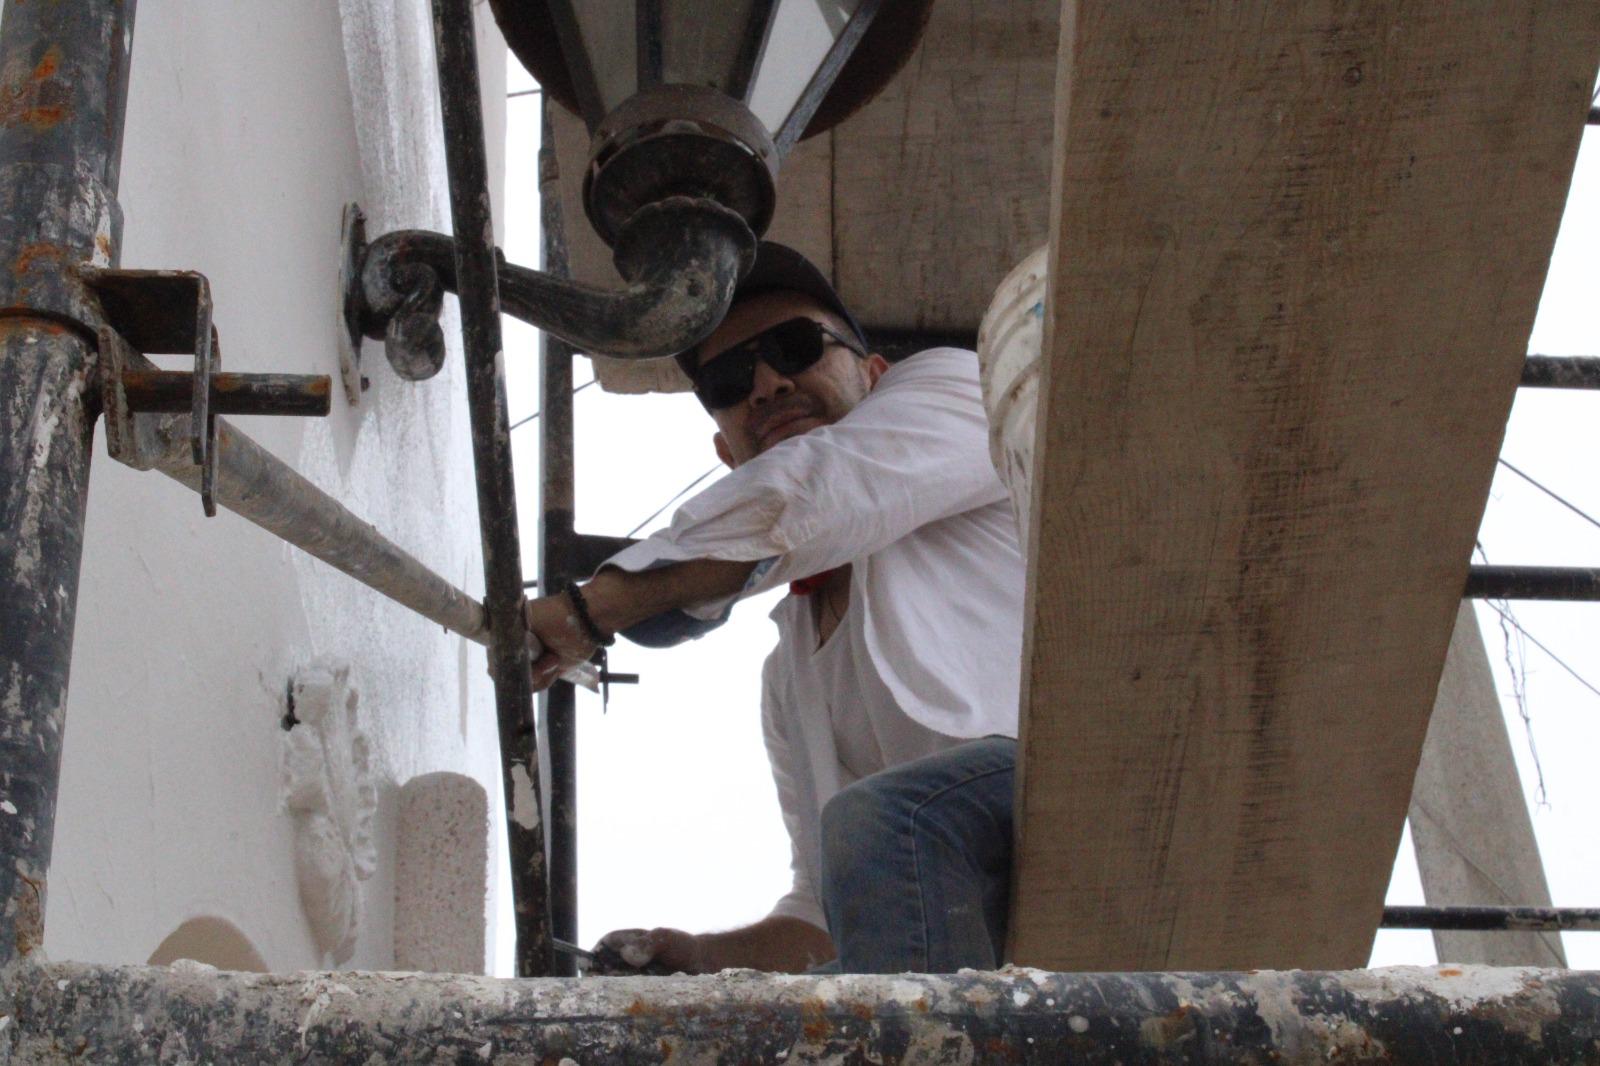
[{"x": 244, "y": 139}]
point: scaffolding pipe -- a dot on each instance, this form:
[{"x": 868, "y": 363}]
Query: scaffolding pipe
[
  {"x": 1480, "y": 919},
  {"x": 557, "y": 522},
  {"x": 258, "y": 486},
  {"x": 63, "y": 94},
  {"x": 231, "y": 394},
  {"x": 478, "y": 294},
  {"x": 72, "y": 1012},
  {"x": 1561, "y": 372},
  {"x": 1532, "y": 583}
]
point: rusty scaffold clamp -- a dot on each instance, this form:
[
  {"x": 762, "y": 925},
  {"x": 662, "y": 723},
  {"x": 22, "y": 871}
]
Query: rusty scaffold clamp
[{"x": 151, "y": 312}]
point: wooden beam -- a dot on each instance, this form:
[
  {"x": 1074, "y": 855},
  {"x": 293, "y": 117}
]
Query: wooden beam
[
  {"x": 941, "y": 182},
  {"x": 1296, "y": 251}
]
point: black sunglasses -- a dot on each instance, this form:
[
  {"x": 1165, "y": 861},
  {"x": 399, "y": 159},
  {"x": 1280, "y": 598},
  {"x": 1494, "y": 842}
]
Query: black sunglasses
[{"x": 788, "y": 348}]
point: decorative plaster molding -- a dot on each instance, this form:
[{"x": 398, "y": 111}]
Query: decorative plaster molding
[{"x": 330, "y": 794}]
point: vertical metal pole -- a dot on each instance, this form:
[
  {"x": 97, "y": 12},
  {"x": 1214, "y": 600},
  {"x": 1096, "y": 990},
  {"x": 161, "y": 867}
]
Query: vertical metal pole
[
  {"x": 478, "y": 292},
  {"x": 63, "y": 93},
  {"x": 556, "y": 566}
]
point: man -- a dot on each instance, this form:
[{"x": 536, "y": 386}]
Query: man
[{"x": 889, "y": 706}]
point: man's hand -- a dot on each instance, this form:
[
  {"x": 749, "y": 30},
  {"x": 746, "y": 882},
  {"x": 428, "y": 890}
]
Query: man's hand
[
  {"x": 658, "y": 950},
  {"x": 616, "y": 600},
  {"x": 554, "y": 623},
  {"x": 777, "y": 944}
]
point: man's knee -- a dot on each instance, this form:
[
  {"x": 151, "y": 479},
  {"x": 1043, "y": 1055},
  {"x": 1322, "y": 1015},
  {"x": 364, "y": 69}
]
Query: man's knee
[{"x": 854, "y": 823}]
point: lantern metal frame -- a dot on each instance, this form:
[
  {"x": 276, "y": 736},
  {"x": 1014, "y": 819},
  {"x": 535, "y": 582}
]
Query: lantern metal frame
[{"x": 670, "y": 139}]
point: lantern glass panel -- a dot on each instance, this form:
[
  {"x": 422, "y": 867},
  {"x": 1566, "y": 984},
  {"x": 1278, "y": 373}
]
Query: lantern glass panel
[
  {"x": 607, "y": 27},
  {"x": 702, "y": 43},
  {"x": 807, "y": 29}
]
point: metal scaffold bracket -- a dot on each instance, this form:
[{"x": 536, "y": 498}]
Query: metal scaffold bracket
[{"x": 169, "y": 312}]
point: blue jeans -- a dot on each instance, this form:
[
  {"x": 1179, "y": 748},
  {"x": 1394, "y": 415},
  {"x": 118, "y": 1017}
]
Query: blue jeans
[{"x": 916, "y": 862}]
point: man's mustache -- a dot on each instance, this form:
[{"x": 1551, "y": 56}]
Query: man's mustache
[{"x": 791, "y": 407}]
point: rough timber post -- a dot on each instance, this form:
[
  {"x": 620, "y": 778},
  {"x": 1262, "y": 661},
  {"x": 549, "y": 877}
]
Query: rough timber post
[{"x": 63, "y": 91}]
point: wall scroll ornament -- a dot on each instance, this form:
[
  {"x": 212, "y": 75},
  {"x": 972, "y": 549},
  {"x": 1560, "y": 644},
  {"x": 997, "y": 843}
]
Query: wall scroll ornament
[{"x": 329, "y": 792}]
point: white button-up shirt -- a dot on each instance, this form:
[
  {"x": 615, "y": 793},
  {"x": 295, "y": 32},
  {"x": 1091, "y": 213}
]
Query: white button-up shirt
[{"x": 929, "y": 652}]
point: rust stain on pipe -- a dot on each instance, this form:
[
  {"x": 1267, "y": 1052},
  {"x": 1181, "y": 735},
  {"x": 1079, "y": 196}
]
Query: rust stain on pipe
[
  {"x": 13, "y": 321},
  {"x": 49, "y": 63},
  {"x": 39, "y": 101},
  {"x": 30, "y": 254},
  {"x": 28, "y": 908}
]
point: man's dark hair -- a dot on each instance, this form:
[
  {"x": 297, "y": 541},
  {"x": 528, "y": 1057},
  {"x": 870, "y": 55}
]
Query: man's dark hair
[{"x": 778, "y": 268}]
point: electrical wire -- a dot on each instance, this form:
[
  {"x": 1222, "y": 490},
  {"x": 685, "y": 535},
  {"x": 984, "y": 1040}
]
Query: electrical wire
[
  {"x": 1574, "y": 508},
  {"x": 1510, "y": 620},
  {"x": 530, "y": 418},
  {"x": 523, "y": 92},
  {"x": 1517, "y": 667},
  {"x": 680, "y": 494}
]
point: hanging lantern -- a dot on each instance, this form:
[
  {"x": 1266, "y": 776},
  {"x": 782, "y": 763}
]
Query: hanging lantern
[{"x": 704, "y": 98}]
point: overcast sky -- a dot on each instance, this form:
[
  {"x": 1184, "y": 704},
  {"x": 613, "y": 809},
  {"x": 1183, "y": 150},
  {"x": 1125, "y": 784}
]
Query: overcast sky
[{"x": 678, "y": 820}]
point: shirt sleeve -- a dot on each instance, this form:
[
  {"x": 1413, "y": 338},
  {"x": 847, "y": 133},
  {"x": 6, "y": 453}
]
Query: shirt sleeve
[
  {"x": 913, "y": 451},
  {"x": 802, "y": 900}
]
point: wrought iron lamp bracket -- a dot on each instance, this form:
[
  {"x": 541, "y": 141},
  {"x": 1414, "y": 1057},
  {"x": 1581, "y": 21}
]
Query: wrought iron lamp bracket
[{"x": 680, "y": 258}]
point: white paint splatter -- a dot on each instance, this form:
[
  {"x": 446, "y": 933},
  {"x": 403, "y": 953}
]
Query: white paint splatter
[
  {"x": 8, "y": 807},
  {"x": 101, "y": 256},
  {"x": 524, "y": 804},
  {"x": 47, "y": 419},
  {"x": 318, "y": 994}
]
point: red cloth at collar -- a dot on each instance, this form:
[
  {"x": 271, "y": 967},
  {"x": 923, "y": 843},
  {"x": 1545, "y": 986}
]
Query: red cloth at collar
[{"x": 805, "y": 586}]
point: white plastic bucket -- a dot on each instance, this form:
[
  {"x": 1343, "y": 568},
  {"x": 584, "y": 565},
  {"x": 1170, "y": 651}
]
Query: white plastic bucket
[{"x": 1010, "y": 339}]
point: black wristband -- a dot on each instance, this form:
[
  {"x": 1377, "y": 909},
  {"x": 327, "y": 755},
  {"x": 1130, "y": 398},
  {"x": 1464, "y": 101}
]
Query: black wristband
[{"x": 585, "y": 619}]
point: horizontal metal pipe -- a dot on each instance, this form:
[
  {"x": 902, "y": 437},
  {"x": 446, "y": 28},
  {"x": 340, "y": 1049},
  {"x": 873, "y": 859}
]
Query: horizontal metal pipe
[
  {"x": 1561, "y": 372},
  {"x": 1532, "y": 583},
  {"x": 1520, "y": 919},
  {"x": 257, "y": 485},
  {"x": 231, "y": 394},
  {"x": 1539, "y": 371},
  {"x": 74, "y": 1012}
]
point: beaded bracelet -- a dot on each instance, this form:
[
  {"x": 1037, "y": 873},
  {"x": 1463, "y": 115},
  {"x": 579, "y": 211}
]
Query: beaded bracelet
[{"x": 585, "y": 619}]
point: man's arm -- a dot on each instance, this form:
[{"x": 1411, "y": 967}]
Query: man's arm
[
  {"x": 617, "y": 599},
  {"x": 777, "y": 944},
  {"x": 914, "y": 450}
]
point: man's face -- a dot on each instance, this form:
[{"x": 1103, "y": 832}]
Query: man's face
[{"x": 783, "y": 406}]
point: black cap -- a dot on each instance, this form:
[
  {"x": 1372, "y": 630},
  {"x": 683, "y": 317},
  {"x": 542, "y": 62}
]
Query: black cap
[{"x": 780, "y": 268}]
